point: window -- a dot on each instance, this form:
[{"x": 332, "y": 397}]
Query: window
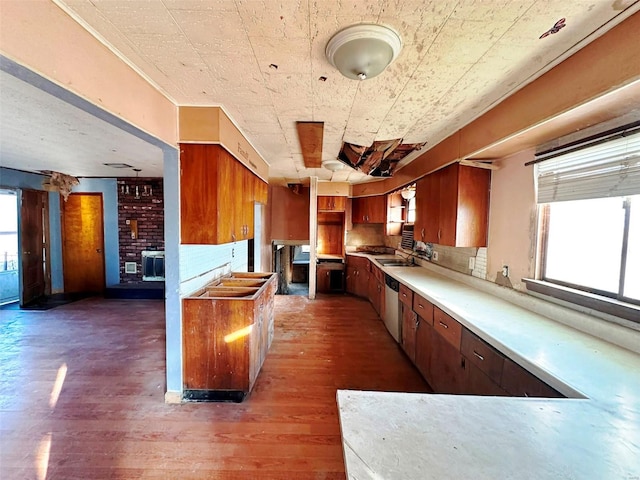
[
  {"x": 411, "y": 210},
  {"x": 594, "y": 245},
  {"x": 589, "y": 196}
]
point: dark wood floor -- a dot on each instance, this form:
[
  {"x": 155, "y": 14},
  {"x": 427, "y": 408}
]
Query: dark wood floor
[{"x": 110, "y": 419}]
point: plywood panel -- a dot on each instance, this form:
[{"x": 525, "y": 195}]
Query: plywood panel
[{"x": 310, "y": 136}]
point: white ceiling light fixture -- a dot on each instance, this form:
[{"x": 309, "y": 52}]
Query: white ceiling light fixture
[
  {"x": 333, "y": 165},
  {"x": 363, "y": 51}
]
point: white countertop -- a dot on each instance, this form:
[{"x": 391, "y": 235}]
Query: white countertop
[{"x": 595, "y": 434}]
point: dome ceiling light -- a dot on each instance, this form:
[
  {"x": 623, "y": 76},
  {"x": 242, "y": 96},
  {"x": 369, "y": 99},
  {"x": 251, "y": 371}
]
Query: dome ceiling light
[
  {"x": 333, "y": 165},
  {"x": 363, "y": 51}
]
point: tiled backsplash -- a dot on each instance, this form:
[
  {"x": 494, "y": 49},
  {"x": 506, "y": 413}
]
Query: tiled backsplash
[{"x": 366, "y": 234}]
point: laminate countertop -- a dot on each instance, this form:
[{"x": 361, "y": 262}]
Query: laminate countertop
[{"x": 593, "y": 434}]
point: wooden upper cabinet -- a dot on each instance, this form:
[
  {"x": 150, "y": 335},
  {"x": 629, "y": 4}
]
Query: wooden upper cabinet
[
  {"x": 248, "y": 202},
  {"x": 369, "y": 209},
  {"x": 332, "y": 203},
  {"x": 261, "y": 190},
  {"x": 452, "y": 207},
  {"x": 217, "y": 195}
]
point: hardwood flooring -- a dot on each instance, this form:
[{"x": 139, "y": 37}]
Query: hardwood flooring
[{"x": 110, "y": 420}]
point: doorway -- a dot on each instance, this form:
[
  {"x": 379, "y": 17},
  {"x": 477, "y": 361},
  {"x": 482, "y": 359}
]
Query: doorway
[
  {"x": 291, "y": 262},
  {"x": 9, "y": 279},
  {"x": 83, "y": 243}
]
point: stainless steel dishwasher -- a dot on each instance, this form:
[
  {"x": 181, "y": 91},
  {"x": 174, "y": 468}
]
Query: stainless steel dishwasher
[{"x": 391, "y": 315}]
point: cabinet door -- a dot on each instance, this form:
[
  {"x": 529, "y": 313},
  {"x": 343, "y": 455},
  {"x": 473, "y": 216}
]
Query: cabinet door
[
  {"x": 332, "y": 203},
  {"x": 248, "y": 202},
  {"x": 323, "y": 280},
  {"x": 358, "y": 210},
  {"x": 261, "y": 190},
  {"x": 427, "y": 209},
  {"x": 474, "y": 186},
  {"x": 409, "y": 324},
  {"x": 228, "y": 187},
  {"x": 362, "y": 282},
  {"x": 199, "y": 179},
  {"x": 325, "y": 204},
  {"x": 519, "y": 382},
  {"x": 339, "y": 204},
  {"x": 376, "y": 209},
  {"x": 351, "y": 278},
  {"x": 424, "y": 348},
  {"x": 477, "y": 383},
  {"x": 448, "y": 206},
  {"x": 369, "y": 209},
  {"x": 447, "y": 368}
]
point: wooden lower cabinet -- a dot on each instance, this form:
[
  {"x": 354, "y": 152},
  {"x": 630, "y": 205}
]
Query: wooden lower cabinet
[
  {"x": 225, "y": 341},
  {"x": 409, "y": 327},
  {"x": 454, "y": 360},
  {"x": 424, "y": 348},
  {"x": 447, "y": 367},
  {"x": 520, "y": 383},
  {"x": 376, "y": 289},
  {"x": 357, "y": 276}
]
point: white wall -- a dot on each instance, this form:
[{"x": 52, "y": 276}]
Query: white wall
[
  {"x": 512, "y": 220},
  {"x": 199, "y": 264}
]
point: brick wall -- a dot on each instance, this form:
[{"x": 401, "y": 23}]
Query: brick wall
[{"x": 147, "y": 208}]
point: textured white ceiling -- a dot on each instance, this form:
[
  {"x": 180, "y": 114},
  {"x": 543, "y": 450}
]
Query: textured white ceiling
[
  {"x": 459, "y": 58},
  {"x": 42, "y": 132}
]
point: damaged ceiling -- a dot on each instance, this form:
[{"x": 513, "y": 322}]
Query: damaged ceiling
[{"x": 264, "y": 62}]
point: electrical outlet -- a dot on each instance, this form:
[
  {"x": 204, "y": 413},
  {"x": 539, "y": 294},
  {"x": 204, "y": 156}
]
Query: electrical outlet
[
  {"x": 434, "y": 256},
  {"x": 472, "y": 263},
  {"x": 505, "y": 271}
]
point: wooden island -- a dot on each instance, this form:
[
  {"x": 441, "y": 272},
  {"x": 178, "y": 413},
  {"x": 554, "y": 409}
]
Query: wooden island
[{"x": 228, "y": 327}]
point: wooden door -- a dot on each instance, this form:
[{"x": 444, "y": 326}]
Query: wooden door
[
  {"x": 83, "y": 243},
  {"x": 33, "y": 218}
]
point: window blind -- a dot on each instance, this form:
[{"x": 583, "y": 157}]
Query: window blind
[{"x": 609, "y": 169}]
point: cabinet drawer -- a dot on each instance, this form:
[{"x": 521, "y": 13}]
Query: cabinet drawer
[
  {"x": 357, "y": 262},
  {"x": 482, "y": 355},
  {"x": 423, "y": 308},
  {"x": 521, "y": 383},
  {"x": 447, "y": 327},
  {"x": 405, "y": 295}
]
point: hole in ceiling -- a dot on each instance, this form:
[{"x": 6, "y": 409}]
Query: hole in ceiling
[
  {"x": 273, "y": 66},
  {"x": 323, "y": 79},
  {"x": 378, "y": 160}
]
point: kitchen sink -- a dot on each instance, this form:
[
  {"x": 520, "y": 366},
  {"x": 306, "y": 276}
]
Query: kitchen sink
[{"x": 394, "y": 262}]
